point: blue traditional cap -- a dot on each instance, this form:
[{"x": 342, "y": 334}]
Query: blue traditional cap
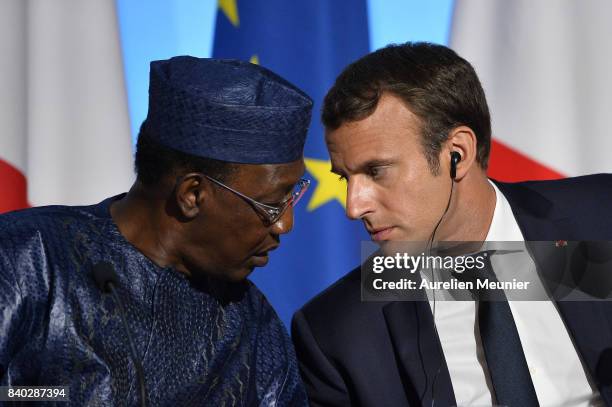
[{"x": 227, "y": 110}]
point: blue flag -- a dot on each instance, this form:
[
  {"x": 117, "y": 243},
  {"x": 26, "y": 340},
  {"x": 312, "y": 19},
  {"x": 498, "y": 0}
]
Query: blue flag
[{"x": 307, "y": 42}]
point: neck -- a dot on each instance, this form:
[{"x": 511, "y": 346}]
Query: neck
[
  {"x": 471, "y": 210},
  {"x": 141, "y": 219}
]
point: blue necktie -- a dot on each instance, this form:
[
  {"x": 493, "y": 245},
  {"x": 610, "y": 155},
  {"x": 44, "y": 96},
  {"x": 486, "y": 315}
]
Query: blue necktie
[{"x": 508, "y": 369}]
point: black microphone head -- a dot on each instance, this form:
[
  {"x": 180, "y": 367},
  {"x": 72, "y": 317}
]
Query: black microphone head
[{"x": 104, "y": 273}]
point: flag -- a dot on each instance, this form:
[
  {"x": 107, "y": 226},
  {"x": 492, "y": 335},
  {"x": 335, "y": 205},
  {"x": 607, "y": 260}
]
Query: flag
[
  {"x": 65, "y": 135},
  {"x": 308, "y": 43},
  {"x": 545, "y": 68}
]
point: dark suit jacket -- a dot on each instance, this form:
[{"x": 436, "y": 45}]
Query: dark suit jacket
[{"x": 386, "y": 354}]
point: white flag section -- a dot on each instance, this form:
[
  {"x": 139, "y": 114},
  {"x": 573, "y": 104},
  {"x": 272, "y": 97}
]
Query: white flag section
[
  {"x": 546, "y": 70},
  {"x": 64, "y": 125}
]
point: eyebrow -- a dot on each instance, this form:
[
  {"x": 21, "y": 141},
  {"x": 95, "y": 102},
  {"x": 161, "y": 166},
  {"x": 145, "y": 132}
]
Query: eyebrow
[
  {"x": 286, "y": 187},
  {"x": 368, "y": 164}
]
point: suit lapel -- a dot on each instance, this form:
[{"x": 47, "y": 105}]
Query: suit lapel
[
  {"x": 411, "y": 329},
  {"x": 590, "y": 330},
  {"x": 586, "y": 321}
]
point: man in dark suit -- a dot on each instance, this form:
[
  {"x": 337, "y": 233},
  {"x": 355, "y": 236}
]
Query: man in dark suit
[{"x": 408, "y": 127}]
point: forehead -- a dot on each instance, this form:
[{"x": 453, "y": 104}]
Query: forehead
[
  {"x": 267, "y": 178},
  {"x": 390, "y": 132}
]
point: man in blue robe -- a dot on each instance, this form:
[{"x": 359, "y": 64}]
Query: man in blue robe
[{"x": 142, "y": 299}]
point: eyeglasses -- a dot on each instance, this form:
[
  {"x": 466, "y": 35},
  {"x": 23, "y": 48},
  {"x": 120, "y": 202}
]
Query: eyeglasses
[{"x": 270, "y": 213}]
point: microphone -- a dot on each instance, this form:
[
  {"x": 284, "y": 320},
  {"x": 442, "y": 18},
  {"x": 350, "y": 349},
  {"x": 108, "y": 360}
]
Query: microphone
[
  {"x": 105, "y": 276},
  {"x": 107, "y": 281}
]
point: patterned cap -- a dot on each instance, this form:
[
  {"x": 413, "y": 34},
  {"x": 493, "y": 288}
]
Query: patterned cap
[{"x": 227, "y": 110}]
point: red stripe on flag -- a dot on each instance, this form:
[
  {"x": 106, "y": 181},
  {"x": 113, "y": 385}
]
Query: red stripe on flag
[
  {"x": 507, "y": 164},
  {"x": 13, "y": 188}
]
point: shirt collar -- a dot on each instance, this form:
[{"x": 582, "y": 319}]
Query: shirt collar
[{"x": 503, "y": 226}]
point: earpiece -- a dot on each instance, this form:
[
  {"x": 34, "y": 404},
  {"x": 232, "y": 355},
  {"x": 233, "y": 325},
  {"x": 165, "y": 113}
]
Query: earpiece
[{"x": 455, "y": 158}]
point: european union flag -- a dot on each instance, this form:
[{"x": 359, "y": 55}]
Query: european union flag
[{"x": 307, "y": 42}]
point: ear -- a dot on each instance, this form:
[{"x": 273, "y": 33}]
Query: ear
[
  {"x": 463, "y": 140},
  {"x": 189, "y": 194}
]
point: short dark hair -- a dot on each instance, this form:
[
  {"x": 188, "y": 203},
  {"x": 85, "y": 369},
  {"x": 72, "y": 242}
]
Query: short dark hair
[
  {"x": 155, "y": 161},
  {"x": 435, "y": 83}
]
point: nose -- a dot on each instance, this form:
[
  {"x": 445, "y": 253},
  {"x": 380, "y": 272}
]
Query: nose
[
  {"x": 359, "y": 200},
  {"x": 285, "y": 223}
]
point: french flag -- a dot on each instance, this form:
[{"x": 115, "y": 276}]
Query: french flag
[
  {"x": 545, "y": 68},
  {"x": 64, "y": 125}
]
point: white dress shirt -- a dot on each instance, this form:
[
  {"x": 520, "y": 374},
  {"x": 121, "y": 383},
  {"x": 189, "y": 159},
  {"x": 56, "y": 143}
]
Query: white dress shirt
[{"x": 558, "y": 375}]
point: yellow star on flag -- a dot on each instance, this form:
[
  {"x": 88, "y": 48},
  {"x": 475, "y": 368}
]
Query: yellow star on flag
[
  {"x": 329, "y": 186},
  {"x": 254, "y": 59},
  {"x": 230, "y": 9}
]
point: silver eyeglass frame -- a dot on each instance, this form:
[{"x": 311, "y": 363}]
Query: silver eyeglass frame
[{"x": 271, "y": 213}]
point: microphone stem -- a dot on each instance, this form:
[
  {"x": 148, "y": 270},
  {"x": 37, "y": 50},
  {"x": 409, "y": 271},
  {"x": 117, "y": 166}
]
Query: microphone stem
[{"x": 135, "y": 360}]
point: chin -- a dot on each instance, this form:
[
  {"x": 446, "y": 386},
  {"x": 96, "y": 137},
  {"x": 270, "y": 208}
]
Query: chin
[
  {"x": 233, "y": 275},
  {"x": 239, "y": 275}
]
